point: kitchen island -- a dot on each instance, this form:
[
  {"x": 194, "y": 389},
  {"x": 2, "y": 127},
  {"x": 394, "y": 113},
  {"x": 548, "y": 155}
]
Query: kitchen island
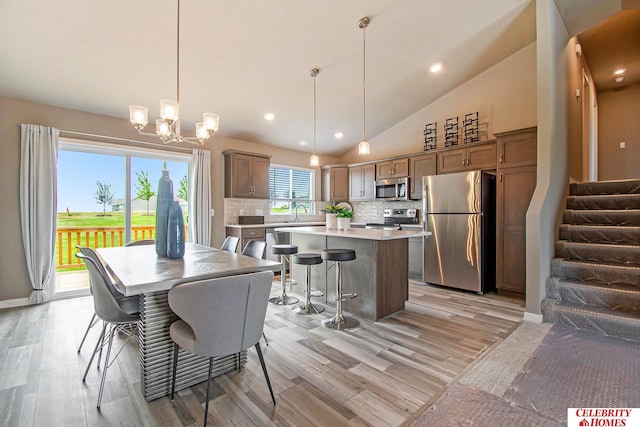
[{"x": 379, "y": 274}]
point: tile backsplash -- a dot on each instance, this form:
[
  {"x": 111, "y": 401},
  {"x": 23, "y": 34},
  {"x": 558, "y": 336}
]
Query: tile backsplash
[{"x": 370, "y": 211}]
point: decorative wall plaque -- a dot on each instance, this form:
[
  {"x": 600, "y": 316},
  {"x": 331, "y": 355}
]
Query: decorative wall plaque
[
  {"x": 430, "y": 136},
  {"x": 471, "y": 128},
  {"x": 451, "y": 132}
]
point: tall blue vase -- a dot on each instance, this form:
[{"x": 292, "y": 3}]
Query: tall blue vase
[
  {"x": 164, "y": 201},
  {"x": 175, "y": 232}
]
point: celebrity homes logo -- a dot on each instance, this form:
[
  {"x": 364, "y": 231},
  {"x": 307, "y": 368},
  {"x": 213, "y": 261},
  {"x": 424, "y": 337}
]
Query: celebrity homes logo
[{"x": 603, "y": 417}]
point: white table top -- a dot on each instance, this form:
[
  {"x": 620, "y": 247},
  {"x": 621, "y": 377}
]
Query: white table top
[
  {"x": 357, "y": 233},
  {"x": 138, "y": 270}
]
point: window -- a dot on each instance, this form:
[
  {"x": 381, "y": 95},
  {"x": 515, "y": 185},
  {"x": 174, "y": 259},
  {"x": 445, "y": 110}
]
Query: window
[{"x": 290, "y": 188}]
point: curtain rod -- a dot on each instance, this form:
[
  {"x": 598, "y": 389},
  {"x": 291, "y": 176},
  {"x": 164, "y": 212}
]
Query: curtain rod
[{"x": 114, "y": 138}]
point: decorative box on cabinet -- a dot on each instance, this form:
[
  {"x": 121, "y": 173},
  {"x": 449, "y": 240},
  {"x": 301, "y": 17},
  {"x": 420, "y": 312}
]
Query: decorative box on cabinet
[
  {"x": 246, "y": 175},
  {"x": 420, "y": 166},
  {"x": 335, "y": 183},
  {"x": 516, "y": 182},
  {"x": 467, "y": 158},
  {"x": 362, "y": 182},
  {"x": 397, "y": 168}
]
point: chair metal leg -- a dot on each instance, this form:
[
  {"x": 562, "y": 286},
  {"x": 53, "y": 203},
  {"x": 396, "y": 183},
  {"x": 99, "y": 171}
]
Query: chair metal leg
[
  {"x": 264, "y": 369},
  {"x": 175, "y": 368},
  {"x": 95, "y": 350},
  {"x": 92, "y": 322},
  {"x": 112, "y": 331},
  {"x": 206, "y": 405},
  {"x": 266, "y": 341}
]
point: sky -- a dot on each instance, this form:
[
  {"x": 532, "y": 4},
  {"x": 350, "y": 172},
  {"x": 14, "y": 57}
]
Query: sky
[{"x": 78, "y": 173}]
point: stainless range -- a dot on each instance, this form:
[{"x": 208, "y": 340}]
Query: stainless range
[{"x": 395, "y": 218}]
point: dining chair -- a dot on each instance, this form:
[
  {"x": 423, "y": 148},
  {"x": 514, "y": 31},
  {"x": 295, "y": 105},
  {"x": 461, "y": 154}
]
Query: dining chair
[
  {"x": 236, "y": 305},
  {"x": 114, "y": 314},
  {"x": 255, "y": 249},
  {"x": 140, "y": 243},
  {"x": 230, "y": 244}
]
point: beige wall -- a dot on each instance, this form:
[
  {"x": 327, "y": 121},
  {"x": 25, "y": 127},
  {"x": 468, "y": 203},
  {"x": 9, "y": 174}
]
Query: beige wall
[
  {"x": 618, "y": 113},
  {"x": 504, "y": 97},
  {"x": 14, "y": 283}
]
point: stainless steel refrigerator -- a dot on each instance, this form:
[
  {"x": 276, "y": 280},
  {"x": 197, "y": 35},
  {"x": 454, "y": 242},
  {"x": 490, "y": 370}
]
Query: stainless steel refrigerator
[{"x": 459, "y": 211}]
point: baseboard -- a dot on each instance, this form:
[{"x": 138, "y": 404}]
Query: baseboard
[
  {"x": 532, "y": 317},
  {"x": 10, "y": 303}
]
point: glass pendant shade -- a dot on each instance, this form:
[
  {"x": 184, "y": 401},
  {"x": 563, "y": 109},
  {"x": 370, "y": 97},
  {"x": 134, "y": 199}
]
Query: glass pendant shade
[
  {"x": 314, "y": 160},
  {"x": 210, "y": 121},
  {"x": 163, "y": 129},
  {"x": 202, "y": 133},
  {"x": 138, "y": 116},
  {"x": 363, "y": 148},
  {"x": 169, "y": 110}
]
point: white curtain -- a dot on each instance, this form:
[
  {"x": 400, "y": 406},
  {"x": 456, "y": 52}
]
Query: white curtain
[
  {"x": 38, "y": 197},
  {"x": 200, "y": 198}
]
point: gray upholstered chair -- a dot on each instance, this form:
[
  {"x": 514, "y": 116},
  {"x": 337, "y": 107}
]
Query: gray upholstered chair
[
  {"x": 230, "y": 244},
  {"x": 255, "y": 249},
  {"x": 220, "y": 317},
  {"x": 114, "y": 314},
  {"x": 140, "y": 243}
]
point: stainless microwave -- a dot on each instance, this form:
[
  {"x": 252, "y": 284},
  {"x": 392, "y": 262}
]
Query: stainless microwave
[{"x": 392, "y": 189}]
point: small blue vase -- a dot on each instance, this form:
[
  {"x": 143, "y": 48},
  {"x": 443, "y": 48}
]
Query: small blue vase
[
  {"x": 163, "y": 205},
  {"x": 175, "y": 232}
]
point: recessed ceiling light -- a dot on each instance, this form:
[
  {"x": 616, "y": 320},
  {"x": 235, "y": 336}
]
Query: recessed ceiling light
[
  {"x": 620, "y": 71},
  {"x": 338, "y": 135},
  {"x": 303, "y": 143},
  {"x": 436, "y": 67},
  {"x": 269, "y": 116},
  {"x": 619, "y": 79}
]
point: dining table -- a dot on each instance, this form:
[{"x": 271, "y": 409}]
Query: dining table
[{"x": 137, "y": 270}]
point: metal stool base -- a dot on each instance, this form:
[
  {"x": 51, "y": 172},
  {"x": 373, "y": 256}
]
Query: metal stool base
[
  {"x": 308, "y": 309},
  {"x": 340, "y": 322},
  {"x": 283, "y": 300}
]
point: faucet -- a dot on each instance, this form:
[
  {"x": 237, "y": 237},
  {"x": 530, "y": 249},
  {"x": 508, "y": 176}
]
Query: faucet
[{"x": 300, "y": 206}]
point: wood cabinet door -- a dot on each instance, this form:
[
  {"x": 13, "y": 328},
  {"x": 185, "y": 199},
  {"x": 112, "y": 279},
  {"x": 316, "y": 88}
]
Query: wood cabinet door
[
  {"x": 260, "y": 177},
  {"x": 339, "y": 184},
  {"x": 452, "y": 161},
  {"x": 517, "y": 149},
  {"x": 384, "y": 170},
  {"x": 515, "y": 189},
  {"x": 420, "y": 166},
  {"x": 368, "y": 181},
  {"x": 481, "y": 157},
  {"x": 400, "y": 168},
  {"x": 355, "y": 183},
  {"x": 241, "y": 186}
]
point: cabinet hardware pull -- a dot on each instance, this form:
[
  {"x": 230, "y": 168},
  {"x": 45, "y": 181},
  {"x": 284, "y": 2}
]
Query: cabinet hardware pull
[
  {"x": 500, "y": 158},
  {"x": 500, "y": 177}
]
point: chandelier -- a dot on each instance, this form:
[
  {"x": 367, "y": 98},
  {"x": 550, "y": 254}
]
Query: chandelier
[
  {"x": 168, "y": 126},
  {"x": 363, "y": 147},
  {"x": 314, "y": 160}
]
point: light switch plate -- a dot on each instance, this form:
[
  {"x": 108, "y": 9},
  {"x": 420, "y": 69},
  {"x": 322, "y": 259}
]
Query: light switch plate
[
  {"x": 259, "y": 212},
  {"x": 211, "y": 212},
  {"x": 622, "y": 144}
]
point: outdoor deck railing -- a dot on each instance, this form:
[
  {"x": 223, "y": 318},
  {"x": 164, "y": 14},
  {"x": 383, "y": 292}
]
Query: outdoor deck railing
[{"x": 94, "y": 237}]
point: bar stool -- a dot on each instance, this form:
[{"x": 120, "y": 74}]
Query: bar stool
[
  {"x": 283, "y": 251},
  {"x": 339, "y": 321},
  {"x": 308, "y": 307}
]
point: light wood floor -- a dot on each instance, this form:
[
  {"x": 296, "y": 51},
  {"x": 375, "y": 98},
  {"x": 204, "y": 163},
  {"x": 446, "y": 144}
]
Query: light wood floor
[{"x": 381, "y": 374}]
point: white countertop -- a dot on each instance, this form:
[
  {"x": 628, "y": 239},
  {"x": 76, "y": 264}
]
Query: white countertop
[
  {"x": 357, "y": 233},
  {"x": 277, "y": 224}
]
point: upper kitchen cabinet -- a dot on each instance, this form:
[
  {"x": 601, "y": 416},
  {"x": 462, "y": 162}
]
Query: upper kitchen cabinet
[
  {"x": 246, "y": 175},
  {"x": 335, "y": 183},
  {"x": 517, "y": 148},
  {"x": 397, "y": 168},
  {"x": 362, "y": 182},
  {"x": 467, "y": 158},
  {"x": 420, "y": 166}
]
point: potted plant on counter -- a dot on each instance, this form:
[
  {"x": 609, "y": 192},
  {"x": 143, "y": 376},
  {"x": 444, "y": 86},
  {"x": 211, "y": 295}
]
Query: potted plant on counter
[
  {"x": 344, "y": 219},
  {"x": 331, "y": 215}
]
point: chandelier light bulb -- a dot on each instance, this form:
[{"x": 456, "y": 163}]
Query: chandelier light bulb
[
  {"x": 138, "y": 116},
  {"x": 210, "y": 121},
  {"x": 314, "y": 161},
  {"x": 163, "y": 129}
]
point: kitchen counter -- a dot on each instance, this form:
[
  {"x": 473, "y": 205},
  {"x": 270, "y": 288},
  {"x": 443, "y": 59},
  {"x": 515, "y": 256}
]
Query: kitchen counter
[
  {"x": 379, "y": 274},
  {"x": 277, "y": 224},
  {"x": 357, "y": 233}
]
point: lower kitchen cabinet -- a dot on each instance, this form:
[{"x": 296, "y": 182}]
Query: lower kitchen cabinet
[{"x": 247, "y": 234}]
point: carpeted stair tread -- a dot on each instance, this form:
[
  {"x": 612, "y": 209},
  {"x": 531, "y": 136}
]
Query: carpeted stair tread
[
  {"x": 598, "y": 252},
  {"x": 627, "y": 186},
  {"x": 605, "y": 201},
  {"x": 595, "y": 272},
  {"x": 593, "y": 318},
  {"x": 623, "y": 217},
  {"x": 600, "y": 234},
  {"x": 618, "y": 297}
]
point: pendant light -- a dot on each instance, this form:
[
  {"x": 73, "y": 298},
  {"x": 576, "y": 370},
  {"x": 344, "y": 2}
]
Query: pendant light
[
  {"x": 363, "y": 147},
  {"x": 314, "y": 160}
]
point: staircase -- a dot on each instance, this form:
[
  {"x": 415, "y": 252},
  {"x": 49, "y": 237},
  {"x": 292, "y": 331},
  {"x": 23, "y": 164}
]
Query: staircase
[{"x": 595, "y": 283}]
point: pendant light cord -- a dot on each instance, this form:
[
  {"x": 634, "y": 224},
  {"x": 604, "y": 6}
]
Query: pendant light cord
[
  {"x": 314, "y": 114},
  {"x": 364, "y": 80},
  {"x": 178, "y": 57}
]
